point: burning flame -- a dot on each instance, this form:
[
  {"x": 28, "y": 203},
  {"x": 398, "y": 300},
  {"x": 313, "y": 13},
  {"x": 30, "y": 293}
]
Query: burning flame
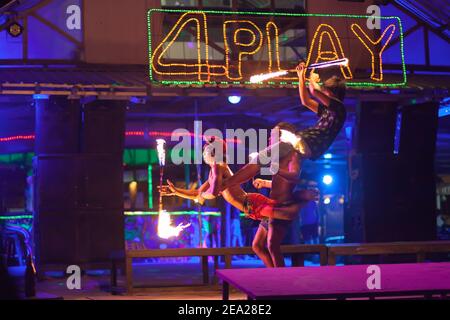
[
  {"x": 265, "y": 76},
  {"x": 165, "y": 229},
  {"x": 160, "y": 143},
  {"x": 289, "y": 137}
]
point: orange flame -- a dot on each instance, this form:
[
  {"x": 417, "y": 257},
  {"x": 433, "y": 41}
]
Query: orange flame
[{"x": 165, "y": 228}]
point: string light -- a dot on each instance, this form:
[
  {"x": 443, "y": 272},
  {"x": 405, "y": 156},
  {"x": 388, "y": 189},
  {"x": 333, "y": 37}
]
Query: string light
[
  {"x": 223, "y": 71},
  {"x": 241, "y": 53},
  {"x": 377, "y": 76},
  {"x": 325, "y": 29},
  {"x": 277, "y": 51},
  {"x": 127, "y": 134},
  {"x": 16, "y": 138},
  {"x": 236, "y": 41}
]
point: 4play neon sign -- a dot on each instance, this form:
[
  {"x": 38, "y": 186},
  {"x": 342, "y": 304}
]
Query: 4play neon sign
[{"x": 226, "y": 48}]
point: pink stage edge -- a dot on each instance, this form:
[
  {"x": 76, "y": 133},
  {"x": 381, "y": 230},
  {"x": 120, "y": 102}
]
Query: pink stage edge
[{"x": 334, "y": 281}]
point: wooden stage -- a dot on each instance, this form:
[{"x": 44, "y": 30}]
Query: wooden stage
[{"x": 339, "y": 282}]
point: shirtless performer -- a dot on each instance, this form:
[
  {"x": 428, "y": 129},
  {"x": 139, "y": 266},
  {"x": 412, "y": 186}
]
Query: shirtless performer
[
  {"x": 273, "y": 229},
  {"x": 254, "y": 205}
]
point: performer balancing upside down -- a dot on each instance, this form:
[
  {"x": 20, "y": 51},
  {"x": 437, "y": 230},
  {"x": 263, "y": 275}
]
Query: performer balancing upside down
[
  {"x": 310, "y": 143},
  {"x": 282, "y": 206},
  {"x": 313, "y": 142},
  {"x": 254, "y": 205}
]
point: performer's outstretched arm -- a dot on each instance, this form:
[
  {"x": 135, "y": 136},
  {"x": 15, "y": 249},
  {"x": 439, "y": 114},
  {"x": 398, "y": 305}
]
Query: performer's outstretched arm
[
  {"x": 243, "y": 175},
  {"x": 215, "y": 182},
  {"x": 306, "y": 99},
  {"x": 184, "y": 193}
]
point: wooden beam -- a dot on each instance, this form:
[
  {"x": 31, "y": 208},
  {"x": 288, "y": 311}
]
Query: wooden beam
[
  {"x": 55, "y": 28},
  {"x": 438, "y": 33}
]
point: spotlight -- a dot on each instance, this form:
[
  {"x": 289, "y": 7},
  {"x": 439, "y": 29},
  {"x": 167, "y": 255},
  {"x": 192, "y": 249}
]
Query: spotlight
[
  {"x": 326, "y": 200},
  {"x": 15, "y": 29},
  {"x": 328, "y": 156},
  {"x": 327, "y": 179},
  {"x": 234, "y": 99}
]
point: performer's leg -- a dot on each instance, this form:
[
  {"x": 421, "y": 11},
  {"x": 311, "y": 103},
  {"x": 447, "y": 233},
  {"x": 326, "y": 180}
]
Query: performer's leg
[
  {"x": 276, "y": 233},
  {"x": 288, "y": 212},
  {"x": 259, "y": 246}
]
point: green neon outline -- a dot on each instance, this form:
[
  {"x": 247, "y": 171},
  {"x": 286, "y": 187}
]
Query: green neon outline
[
  {"x": 150, "y": 186},
  {"x": 132, "y": 213},
  {"x": 173, "y": 213},
  {"x": 269, "y": 83},
  {"x": 16, "y": 217}
]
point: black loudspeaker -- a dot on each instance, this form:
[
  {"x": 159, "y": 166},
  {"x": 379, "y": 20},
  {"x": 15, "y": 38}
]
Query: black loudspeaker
[
  {"x": 376, "y": 121},
  {"x": 391, "y": 199},
  {"x": 419, "y": 129},
  {"x": 79, "y": 208},
  {"x": 58, "y": 122},
  {"x": 79, "y": 182},
  {"x": 65, "y": 237},
  {"x": 104, "y": 127}
]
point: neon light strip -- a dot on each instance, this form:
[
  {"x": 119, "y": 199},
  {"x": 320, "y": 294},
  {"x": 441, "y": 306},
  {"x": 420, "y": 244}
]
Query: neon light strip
[
  {"x": 199, "y": 83},
  {"x": 134, "y": 213},
  {"x": 173, "y": 213},
  {"x": 150, "y": 186},
  {"x": 16, "y": 217},
  {"x": 127, "y": 134},
  {"x": 15, "y": 138}
]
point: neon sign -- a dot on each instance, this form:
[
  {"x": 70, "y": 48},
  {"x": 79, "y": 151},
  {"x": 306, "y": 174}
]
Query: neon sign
[{"x": 226, "y": 48}]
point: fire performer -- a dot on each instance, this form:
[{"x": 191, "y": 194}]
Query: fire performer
[
  {"x": 310, "y": 143},
  {"x": 254, "y": 205},
  {"x": 279, "y": 209},
  {"x": 313, "y": 142}
]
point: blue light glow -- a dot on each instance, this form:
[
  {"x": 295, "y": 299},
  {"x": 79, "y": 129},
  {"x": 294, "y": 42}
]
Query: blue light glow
[
  {"x": 234, "y": 99},
  {"x": 40, "y": 96},
  {"x": 398, "y": 128},
  {"x": 444, "y": 111},
  {"x": 327, "y": 179},
  {"x": 328, "y": 156}
]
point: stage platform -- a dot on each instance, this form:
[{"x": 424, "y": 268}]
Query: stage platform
[{"x": 427, "y": 280}]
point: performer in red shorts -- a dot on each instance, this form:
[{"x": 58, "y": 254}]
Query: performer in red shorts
[{"x": 254, "y": 205}]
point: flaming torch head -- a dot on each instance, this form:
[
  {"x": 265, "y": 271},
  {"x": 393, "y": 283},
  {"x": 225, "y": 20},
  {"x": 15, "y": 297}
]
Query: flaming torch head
[
  {"x": 160, "y": 148},
  {"x": 165, "y": 228}
]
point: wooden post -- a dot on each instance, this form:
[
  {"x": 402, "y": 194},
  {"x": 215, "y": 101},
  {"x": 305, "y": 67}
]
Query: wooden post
[
  {"x": 225, "y": 290},
  {"x": 216, "y": 266},
  {"x": 298, "y": 260},
  {"x": 205, "y": 269},
  {"x": 227, "y": 262},
  {"x": 113, "y": 276},
  {"x": 331, "y": 259},
  {"x": 129, "y": 274},
  {"x": 323, "y": 253}
]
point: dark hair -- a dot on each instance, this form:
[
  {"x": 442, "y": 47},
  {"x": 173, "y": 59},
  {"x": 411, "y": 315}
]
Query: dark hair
[
  {"x": 286, "y": 126},
  {"x": 210, "y": 140},
  {"x": 336, "y": 85}
]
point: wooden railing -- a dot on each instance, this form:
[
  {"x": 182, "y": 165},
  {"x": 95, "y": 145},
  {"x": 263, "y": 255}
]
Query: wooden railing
[
  {"x": 328, "y": 255},
  {"x": 295, "y": 251},
  {"x": 420, "y": 249}
]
